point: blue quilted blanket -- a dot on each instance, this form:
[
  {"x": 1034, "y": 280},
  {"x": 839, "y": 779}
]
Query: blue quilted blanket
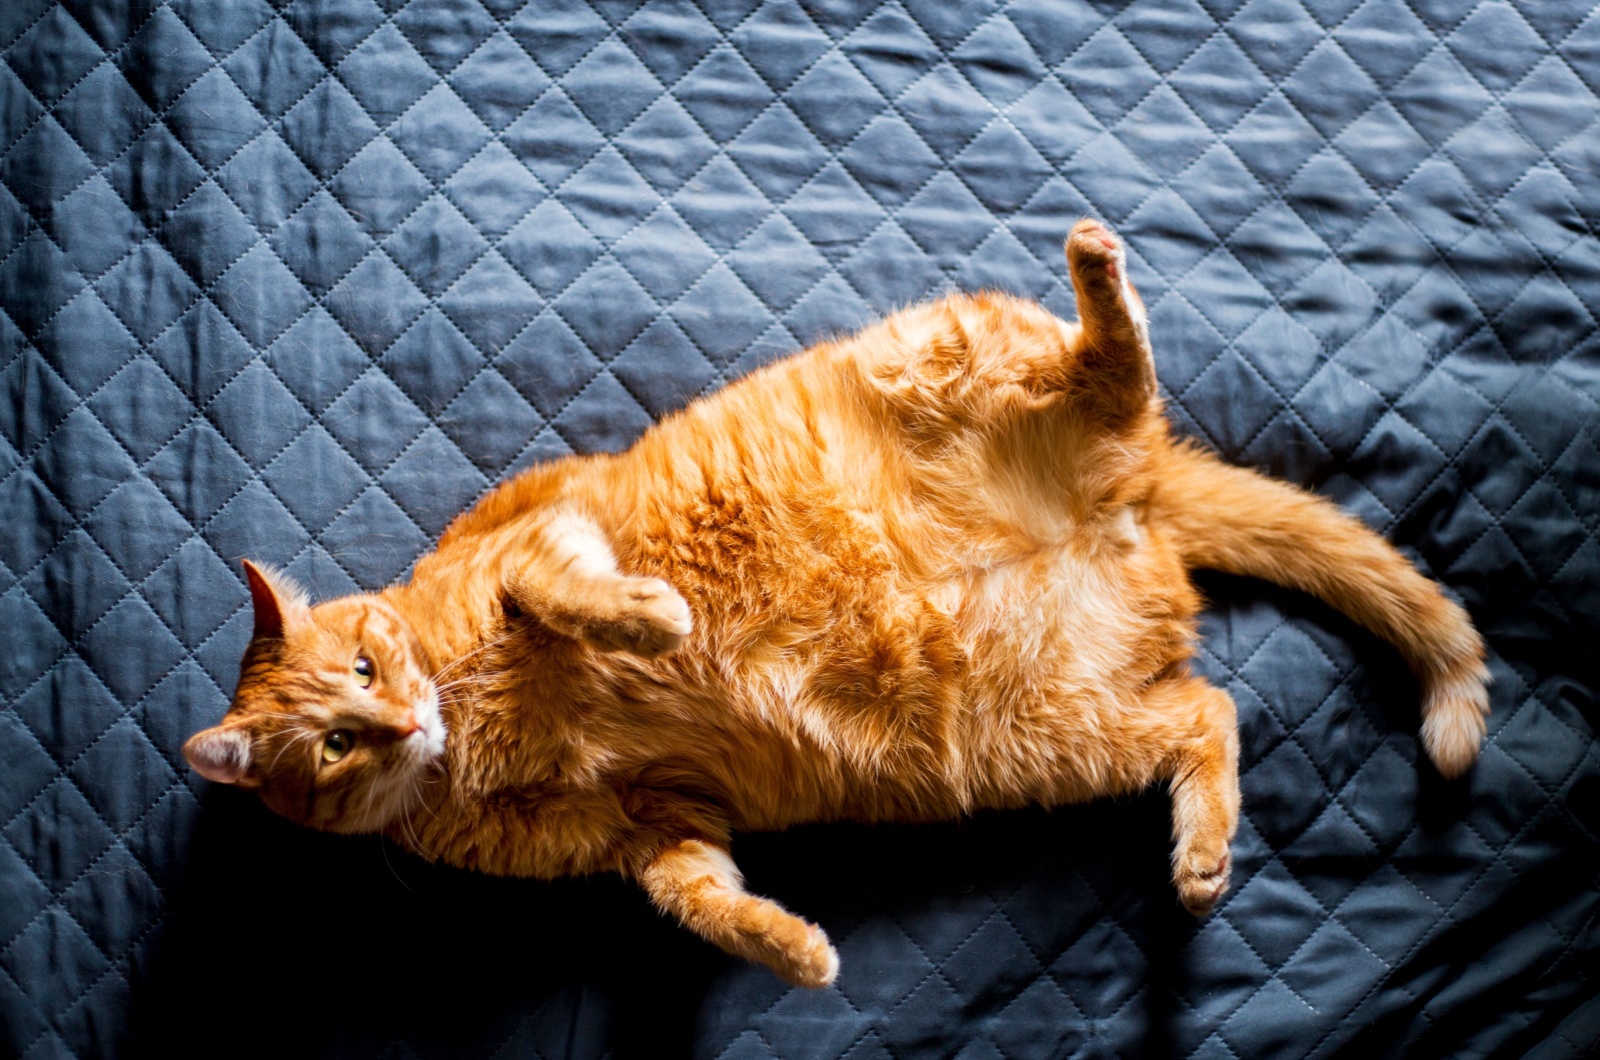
[{"x": 298, "y": 279}]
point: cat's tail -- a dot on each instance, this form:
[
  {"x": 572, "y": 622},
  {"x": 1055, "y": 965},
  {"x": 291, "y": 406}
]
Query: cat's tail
[{"x": 1234, "y": 520}]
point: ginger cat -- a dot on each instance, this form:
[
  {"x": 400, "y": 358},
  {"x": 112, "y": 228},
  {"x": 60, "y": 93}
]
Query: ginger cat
[{"x": 937, "y": 566}]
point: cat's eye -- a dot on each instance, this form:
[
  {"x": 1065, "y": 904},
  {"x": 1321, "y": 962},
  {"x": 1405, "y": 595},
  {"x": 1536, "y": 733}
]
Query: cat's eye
[
  {"x": 337, "y": 744},
  {"x": 364, "y": 672}
]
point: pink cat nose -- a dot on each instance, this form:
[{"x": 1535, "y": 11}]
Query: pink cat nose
[{"x": 408, "y": 724}]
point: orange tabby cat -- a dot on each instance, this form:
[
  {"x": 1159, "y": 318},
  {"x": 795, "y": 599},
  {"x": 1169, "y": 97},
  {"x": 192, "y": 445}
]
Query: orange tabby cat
[{"x": 938, "y": 566}]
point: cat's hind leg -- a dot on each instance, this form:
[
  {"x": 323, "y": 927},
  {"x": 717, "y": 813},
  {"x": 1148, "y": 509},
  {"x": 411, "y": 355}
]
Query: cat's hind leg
[
  {"x": 1203, "y": 774},
  {"x": 1113, "y": 346},
  {"x": 699, "y": 884},
  {"x": 1232, "y": 519}
]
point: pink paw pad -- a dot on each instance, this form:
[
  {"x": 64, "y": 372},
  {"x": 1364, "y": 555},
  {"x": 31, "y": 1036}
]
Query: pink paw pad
[{"x": 1099, "y": 233}]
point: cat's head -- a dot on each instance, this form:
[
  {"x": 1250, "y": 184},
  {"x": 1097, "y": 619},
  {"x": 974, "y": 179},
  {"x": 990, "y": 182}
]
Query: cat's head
[{"x": 336, "y": 721}]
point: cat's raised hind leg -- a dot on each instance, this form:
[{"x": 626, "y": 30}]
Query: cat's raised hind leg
[
  {"x": 699, "y": 884},
  {"x": 1203, "y": 774},
  {"x": 1113, "y": 347}
]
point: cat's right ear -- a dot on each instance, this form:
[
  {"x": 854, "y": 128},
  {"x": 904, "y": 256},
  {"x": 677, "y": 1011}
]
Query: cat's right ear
[
  {"x": 221, "y": 754},
  {"x": 276, "y": 600}
]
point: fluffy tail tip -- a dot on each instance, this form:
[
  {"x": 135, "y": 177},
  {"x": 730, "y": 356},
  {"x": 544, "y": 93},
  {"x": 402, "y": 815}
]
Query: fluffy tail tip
[{"x": 1453, "y": 711}]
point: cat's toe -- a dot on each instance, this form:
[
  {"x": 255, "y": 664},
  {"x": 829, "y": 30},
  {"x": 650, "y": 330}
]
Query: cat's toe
[
  {"x": 1091, "y": 245},
  {"x": 660, "y": 617},
  {"x": 1200, "y": 889},
  {"x": 663, "y": 604},
  {"x": 817, "y": 965}
]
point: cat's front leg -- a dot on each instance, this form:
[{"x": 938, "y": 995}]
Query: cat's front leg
[
  {"x": 572, "y": 584},
  {"x": 699, "y": 884},
  {"x": 642, "y": 616}
]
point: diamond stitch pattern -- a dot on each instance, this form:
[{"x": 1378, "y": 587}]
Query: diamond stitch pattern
[{"x": 298, "y": 280}]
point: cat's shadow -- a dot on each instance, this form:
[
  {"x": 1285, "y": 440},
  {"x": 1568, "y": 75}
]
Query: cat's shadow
[{"x": 279, "y": 941}]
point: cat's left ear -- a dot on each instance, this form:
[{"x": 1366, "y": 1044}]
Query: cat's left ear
[
  {"x": 221, "y": 754},
  {"x": 277, "y": 600}
]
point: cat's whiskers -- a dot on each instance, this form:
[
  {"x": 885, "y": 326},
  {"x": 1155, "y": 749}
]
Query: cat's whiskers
[
  {"x": 304, "y": 734},
  {"x": 479, "y": 677},
  {"x": 385, "y": 790},
  {"x": 422, "y": 798},
  {"x": 458, "y": 684},
  {"x": 409, "y": 831},
  {"x": 366, "y": 812},
  {"x": 485, "y": 646},
  {"x": 399, "y": 799},
  {"x": 383, "y": 844},
  {"x": 484, "y": 677}
]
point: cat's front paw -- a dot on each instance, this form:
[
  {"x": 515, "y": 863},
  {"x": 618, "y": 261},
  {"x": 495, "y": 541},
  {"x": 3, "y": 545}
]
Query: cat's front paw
[
  {"x": 809, "y": 961},
  {"x": 651, "y": 619}
]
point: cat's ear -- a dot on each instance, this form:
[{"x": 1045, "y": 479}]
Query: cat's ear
[
  {"x": 276, "y": 599},
  {"x": 221, "y": 754}
]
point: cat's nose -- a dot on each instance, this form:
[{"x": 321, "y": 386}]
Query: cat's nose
[{"x": 408, "y": 724}]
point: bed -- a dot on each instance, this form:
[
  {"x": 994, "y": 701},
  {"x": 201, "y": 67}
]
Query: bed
[{"x": 298, "y": 280}]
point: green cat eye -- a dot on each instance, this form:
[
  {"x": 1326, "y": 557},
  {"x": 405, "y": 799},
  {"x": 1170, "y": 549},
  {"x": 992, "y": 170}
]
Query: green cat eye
[
  {"x": 364, "y": 672},
  {"x": 338, "y": 744}
]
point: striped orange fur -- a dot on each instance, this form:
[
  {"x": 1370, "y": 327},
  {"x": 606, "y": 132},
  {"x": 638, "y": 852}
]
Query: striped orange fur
[{"x": 936, "y": 566}]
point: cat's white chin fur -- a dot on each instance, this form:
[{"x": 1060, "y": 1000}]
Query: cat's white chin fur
[{"x": 429, "y": 739}]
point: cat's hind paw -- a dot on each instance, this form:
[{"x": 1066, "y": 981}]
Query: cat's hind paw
[
  {"x": 1110, "y": 312},
  {"x": 1201, "y": 886},
  {"x": 1091, "y": 245}
]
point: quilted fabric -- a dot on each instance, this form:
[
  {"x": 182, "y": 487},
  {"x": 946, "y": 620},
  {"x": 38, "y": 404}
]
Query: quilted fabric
[{"x": 298, "y": 279}]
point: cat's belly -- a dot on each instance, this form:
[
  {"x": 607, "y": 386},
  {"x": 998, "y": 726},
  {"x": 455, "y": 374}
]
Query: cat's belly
[
  {"x": 1061, "y": 649},
  {"x": 997, "y": 687},
  {"x": 1062, "y": 618}
]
